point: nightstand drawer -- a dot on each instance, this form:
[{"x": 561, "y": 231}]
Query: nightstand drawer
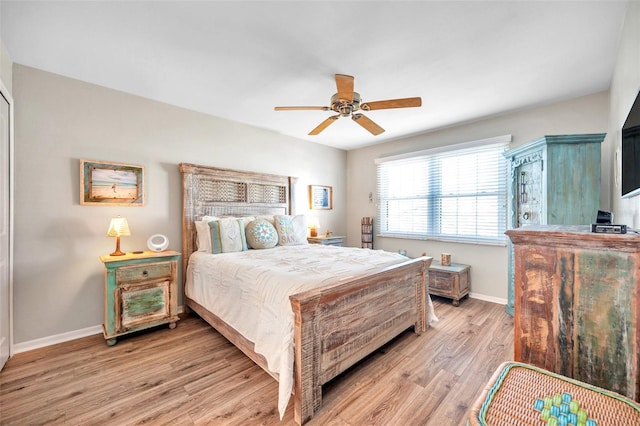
[
  {"x": 440, "y": 280},
  {"x": 149, "y": 271},
  {"x": 142, "y": 304}
]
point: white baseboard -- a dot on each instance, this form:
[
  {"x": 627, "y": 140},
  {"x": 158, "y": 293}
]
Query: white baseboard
[
  {"x": 486, "y": 298},
  {"x": 61, "y": 338},
  {"x": 55, "y": 339}
]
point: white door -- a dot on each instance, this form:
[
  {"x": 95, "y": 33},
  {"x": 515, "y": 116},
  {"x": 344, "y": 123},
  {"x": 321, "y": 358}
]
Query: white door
[{"x": 6, "y": 222}]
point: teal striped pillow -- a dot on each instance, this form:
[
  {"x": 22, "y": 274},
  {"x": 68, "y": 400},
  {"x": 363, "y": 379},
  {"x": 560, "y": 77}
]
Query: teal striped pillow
[{"x": 227, "y": 235}]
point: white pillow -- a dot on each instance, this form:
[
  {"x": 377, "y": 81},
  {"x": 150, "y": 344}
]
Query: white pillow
[
  {"x": 203, "y": 232},
  {"x": 292, "y": 230}
]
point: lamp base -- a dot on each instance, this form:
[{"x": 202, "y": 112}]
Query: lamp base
[
  {"x": 117, "y": 252},
  {"x": 314, "y": 232}
]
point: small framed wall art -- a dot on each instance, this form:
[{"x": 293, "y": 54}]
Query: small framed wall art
[
  {"x": 106, "y": 183},
  {"x": 320, "y": 197}
]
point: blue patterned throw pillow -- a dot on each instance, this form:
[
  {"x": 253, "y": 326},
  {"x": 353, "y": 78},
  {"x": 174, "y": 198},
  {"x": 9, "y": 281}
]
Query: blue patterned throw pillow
[{"x": 261, "y": 234}]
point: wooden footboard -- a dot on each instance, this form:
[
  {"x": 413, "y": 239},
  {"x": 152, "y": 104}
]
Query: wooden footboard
[{"x": 337, "y": 326}]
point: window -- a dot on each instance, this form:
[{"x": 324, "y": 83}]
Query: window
[{"x": 455, "y": 193}]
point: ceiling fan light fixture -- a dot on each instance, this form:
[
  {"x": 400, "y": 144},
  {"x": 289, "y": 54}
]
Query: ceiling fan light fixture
[{"x": 345, "y": 107}]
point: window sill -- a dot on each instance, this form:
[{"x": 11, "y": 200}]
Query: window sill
[{"x": 502, "y": 243}]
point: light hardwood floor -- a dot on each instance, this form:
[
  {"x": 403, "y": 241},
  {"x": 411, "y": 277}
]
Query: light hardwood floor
[{"x": 192, "y": 375}]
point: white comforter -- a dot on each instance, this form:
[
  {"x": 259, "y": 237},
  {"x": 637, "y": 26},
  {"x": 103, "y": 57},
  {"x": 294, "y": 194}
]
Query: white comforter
[{"x": 250, "y": 291}]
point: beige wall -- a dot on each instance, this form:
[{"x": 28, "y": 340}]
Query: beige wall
[
  {"x": 488, "y": 263},
  {"x": 624, "y": 89},
  {"x": 58, "y": 275},
  {"x": 5, "y": 68}
]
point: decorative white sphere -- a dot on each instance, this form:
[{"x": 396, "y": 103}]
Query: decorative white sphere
[{"x": 157, "y": 242}]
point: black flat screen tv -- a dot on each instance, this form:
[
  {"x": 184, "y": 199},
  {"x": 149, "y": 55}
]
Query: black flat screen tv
[{"x": 631, "y": 152}]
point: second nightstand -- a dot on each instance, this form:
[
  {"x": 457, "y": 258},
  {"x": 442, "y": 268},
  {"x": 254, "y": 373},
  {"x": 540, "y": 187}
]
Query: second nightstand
[
  {"x": 449, "y": 281},
  {"x": 140, "y": 291},
  {"x": 327, "y": 241}
]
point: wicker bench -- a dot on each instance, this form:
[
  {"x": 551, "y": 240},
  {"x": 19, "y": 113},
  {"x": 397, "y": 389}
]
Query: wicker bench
[{"x": 521, "y": 394}]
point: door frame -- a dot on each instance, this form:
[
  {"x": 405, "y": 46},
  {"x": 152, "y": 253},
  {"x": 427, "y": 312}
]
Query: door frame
[{"x": 7, "y": 95}]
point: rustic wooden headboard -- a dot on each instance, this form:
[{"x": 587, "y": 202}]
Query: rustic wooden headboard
[{"x": 212, "y": 191}]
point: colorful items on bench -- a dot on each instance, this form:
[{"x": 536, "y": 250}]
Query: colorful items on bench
[
  {"x": 522, "y": 394},
  {"x": 562, "y": 410}
]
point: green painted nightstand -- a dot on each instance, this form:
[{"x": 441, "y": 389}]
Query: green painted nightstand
[{"x": 140, "y": 291}]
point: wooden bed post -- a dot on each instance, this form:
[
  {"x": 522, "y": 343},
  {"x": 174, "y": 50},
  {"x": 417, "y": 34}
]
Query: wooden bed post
[
  {"x": 188, "y": 227},
  {"x": 422, "y": 290},
  {"x": 306, "y": 370},
  {"x": 292, "y": 195}
]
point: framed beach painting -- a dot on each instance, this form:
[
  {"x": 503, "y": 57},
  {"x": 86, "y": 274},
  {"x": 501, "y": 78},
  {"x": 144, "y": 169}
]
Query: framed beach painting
[
  {"x": 105, "y": 183},
  {"x": 320, "y": 197}
]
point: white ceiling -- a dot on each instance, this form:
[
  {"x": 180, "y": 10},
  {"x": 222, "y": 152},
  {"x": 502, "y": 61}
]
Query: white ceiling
[{"x": 239, "y": 59}]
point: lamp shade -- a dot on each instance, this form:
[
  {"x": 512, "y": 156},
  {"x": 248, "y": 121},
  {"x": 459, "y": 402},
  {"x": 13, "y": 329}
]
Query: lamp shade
[
  {"x": 313, "y": 222},
  {"x": 118, "y": 227}
]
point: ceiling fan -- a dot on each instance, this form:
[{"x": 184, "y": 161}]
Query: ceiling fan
[{"x": 347, "y": 102}]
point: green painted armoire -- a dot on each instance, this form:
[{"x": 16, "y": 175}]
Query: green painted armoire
[{"x": 553, "y": 180}]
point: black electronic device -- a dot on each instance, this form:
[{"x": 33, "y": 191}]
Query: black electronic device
[
  {"x": 599, "y": 228},
  {"x": 605, "y": 218}
]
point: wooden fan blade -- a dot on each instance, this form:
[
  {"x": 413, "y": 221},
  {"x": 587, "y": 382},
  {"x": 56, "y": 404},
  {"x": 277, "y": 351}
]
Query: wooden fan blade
[
  {"x": 324, "y": 125},
  {"x": 392, "y": 103},
  {"x": 367, "y": 124},
  {"x": 344, "y": 83},
  {"x": 302, "y": 108}
]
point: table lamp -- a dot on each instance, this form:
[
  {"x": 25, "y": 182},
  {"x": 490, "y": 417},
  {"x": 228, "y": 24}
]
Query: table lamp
[
  {"x": 117, "y": 228},
  {"x": 313, "y": 224}
]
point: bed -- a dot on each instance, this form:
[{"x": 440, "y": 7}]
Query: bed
[{"x": 334, "y": 325}]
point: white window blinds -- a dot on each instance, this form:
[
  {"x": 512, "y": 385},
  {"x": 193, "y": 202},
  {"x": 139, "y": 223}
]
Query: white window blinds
[{"x": 456, "y": 193}]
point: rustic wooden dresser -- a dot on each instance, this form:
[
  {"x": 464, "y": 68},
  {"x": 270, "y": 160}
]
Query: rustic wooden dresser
[{"x": 577, "y": 304}]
